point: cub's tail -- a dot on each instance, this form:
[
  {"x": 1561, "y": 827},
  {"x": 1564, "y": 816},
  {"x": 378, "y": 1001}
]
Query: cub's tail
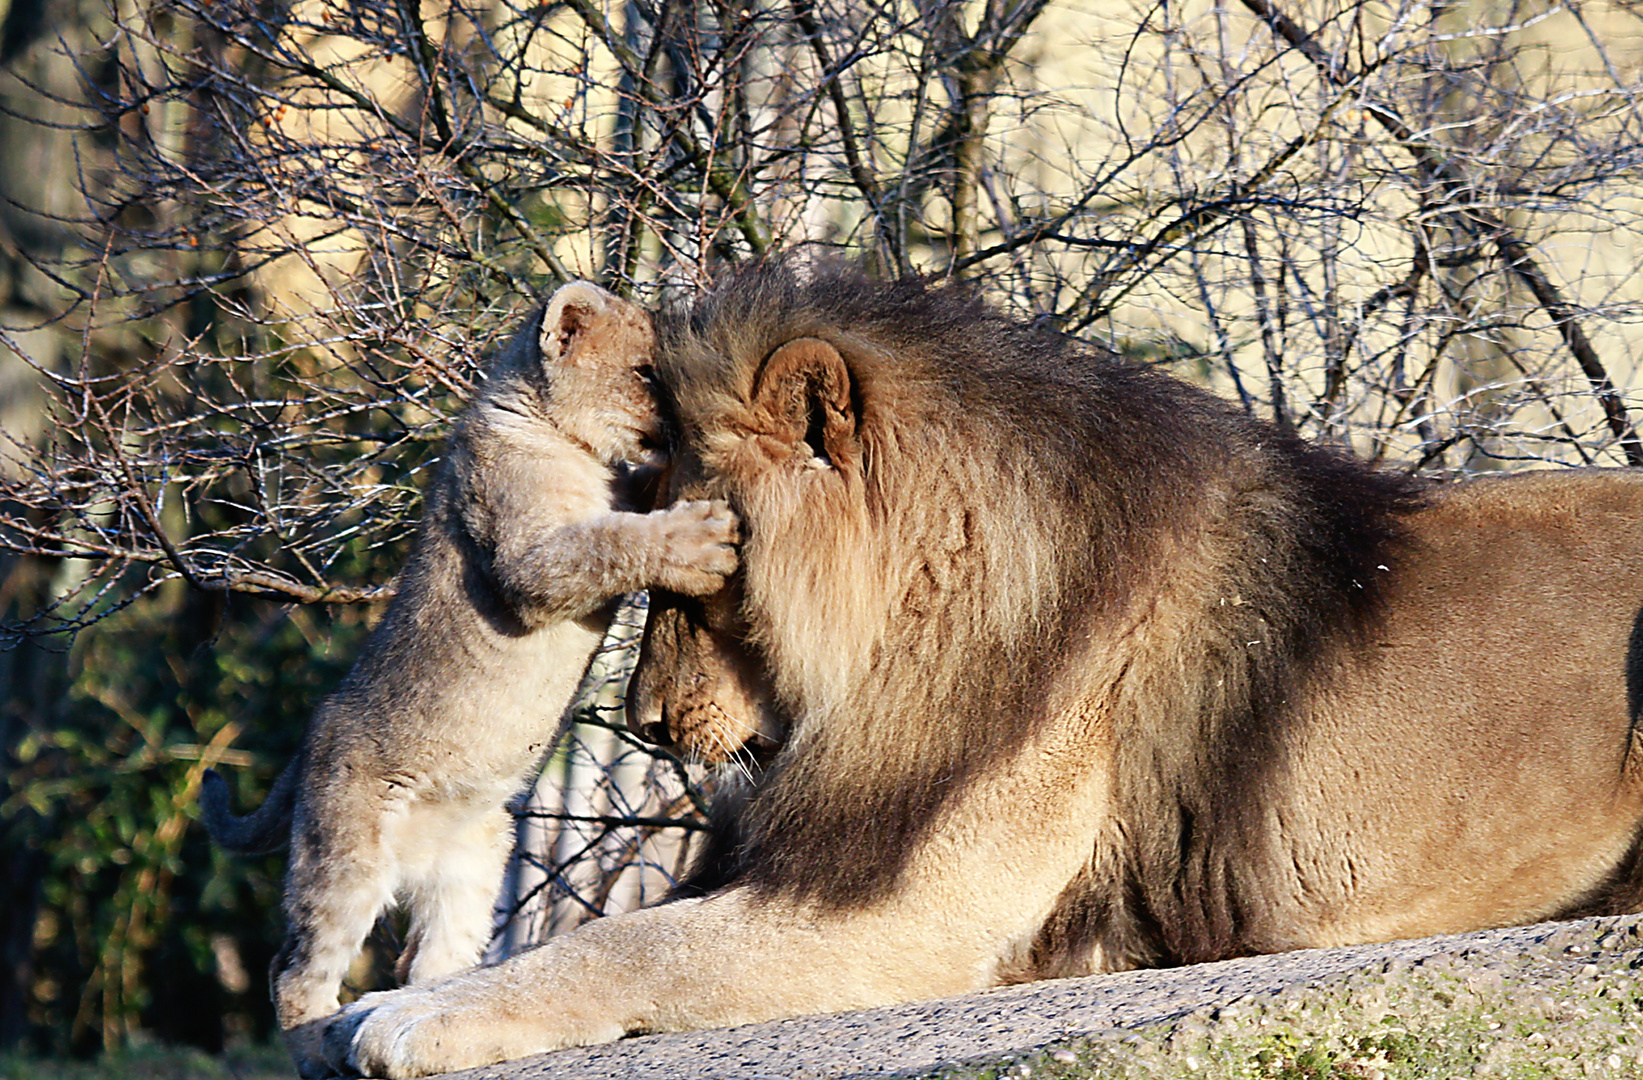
[{"x": 265, "y": 829}]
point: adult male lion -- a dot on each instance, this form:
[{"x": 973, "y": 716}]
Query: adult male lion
[{"x": 1077, "y": 668}]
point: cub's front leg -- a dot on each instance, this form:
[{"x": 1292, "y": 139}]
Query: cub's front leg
[{"x": 568, "y": 571}]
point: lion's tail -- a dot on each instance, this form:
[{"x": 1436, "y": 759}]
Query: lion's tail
[{"x": 265, "y": 829}]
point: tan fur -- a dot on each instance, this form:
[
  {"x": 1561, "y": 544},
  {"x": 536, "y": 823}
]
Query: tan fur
[
  {"x": 399, "y": 792},
  {"x": 1077, "y": 669},
  {"x": 720, "y": 711}
]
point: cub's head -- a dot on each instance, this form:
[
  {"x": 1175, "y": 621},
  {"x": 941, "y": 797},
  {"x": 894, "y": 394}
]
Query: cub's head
[{"x": 596, "y": 351}]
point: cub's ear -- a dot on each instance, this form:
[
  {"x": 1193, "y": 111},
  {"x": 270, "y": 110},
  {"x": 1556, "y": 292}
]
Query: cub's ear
[
  {"x": 802, "y": 395},
  {"x": 570, "y": 317}
]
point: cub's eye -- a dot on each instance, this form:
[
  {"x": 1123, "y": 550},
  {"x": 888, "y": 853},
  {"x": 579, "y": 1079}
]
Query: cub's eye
[{"x": 646, "y": 374}]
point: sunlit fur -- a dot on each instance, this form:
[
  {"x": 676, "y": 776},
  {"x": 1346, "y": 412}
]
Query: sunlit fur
[
  {"x": 998, "y": 505},
  {"x": 529, "y": 532},
  {"x": 1072, "y": 667}
]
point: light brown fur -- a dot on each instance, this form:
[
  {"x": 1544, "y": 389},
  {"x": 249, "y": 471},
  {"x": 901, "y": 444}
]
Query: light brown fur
[
  {"x": 399, "y": 791},
  {"x": 1074, "y": 669}
]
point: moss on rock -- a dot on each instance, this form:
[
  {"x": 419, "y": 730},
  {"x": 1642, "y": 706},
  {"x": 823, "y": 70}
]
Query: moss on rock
[{"x": 1571, "y": 1006}]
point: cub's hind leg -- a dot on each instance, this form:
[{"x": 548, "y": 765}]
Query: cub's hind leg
[
  {"x": 451, "y": 887},
  {"x": 335, "y": 888}
]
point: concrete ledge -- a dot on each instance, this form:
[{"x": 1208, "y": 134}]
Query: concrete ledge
[{"x": 920, "y": 1038}]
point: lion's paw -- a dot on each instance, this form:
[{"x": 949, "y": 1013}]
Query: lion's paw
[
  {"x": 700, "y": 539},
  {"x": 458, "y": 1023},
  {"x": 395, "y": 1034}
]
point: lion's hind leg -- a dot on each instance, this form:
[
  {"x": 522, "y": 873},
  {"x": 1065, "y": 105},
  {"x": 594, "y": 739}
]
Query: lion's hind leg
[
  {"x": 1621, "y": 892},
  {"x": 451, "y": 884}
]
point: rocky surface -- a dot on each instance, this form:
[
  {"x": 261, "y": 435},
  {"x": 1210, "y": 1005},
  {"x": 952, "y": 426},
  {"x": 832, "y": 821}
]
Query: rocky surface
[{"x": 1551, "y": 1000}]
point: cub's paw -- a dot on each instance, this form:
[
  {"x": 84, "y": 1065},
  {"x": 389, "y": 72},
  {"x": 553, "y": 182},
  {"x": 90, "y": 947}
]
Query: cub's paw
[{"x": 699, "y": 546}]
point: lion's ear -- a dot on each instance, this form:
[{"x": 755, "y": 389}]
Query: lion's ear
[
  {"x": 570, "y": 317},
  {"x": 802, "y": 392}
]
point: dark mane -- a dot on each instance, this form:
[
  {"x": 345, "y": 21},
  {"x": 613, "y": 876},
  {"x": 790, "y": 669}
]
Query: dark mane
[{"x": 1101, "y": 476}]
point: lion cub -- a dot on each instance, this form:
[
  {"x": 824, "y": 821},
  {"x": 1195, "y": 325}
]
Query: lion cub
[{"x": 398, "y": 792}]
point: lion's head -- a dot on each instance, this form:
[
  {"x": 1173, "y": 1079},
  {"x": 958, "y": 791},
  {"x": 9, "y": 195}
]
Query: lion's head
[{"x": 950, "y": 518}]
